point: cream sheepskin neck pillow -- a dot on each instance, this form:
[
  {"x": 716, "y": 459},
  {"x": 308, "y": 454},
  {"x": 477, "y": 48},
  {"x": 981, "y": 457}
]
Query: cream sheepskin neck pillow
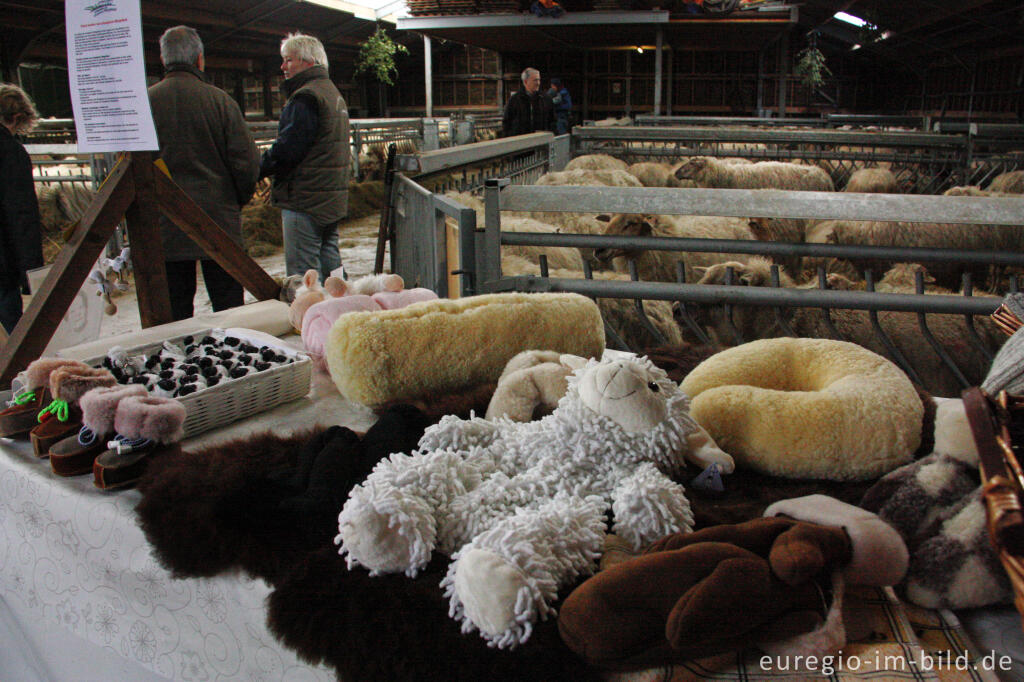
[
  {"x": 808, "y": 408},
  {"x": 520, "y": 507}
]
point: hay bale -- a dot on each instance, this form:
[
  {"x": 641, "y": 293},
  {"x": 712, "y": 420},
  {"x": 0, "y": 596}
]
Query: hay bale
[
  {"x": 262, "y": 223},
  {"x": 365, "y": 198}
]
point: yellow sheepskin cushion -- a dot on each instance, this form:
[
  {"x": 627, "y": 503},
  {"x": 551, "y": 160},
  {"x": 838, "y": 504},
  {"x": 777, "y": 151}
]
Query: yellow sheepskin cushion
[
  {"x": 807, "y": 408},
  {"x": 443, "y": 345}
]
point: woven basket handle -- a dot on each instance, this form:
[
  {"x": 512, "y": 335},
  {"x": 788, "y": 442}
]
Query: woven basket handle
[{"x": 1001, "y": 495}]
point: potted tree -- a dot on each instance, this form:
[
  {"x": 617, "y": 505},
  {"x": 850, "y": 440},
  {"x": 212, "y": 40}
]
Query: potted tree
[{"x": 377, "y": 60}]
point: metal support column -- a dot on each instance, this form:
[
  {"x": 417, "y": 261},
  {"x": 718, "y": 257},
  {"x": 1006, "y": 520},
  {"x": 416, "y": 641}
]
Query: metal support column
[
  {"x": 428, "y": 77},
  {"x": 759, "y": 107},
  {"x": 671, "y": 81},
  {"x": 783, "y": 73},
  {"x": 657, "y": 72},
  {"x": 629, "y": 83}
]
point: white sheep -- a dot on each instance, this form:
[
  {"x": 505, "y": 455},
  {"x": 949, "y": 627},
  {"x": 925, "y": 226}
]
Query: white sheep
[
  {"x": 786, "y": 230},
  {"x": 619, "y": 314},
  {"x": 962, "y": 237},
  {"x": 558, "y": 256},
  {"x": 608, "y": 177},
  {"x": 660, "y": 266},
  {"x": 595, "y": 162},
  {"x": 521, "y": 507},
  {"x": 872, "y": 180},
  {"x": 1011, "y": 182},
  {"x": 654, "y": 174},
  {"x": 710, "y": 172}
]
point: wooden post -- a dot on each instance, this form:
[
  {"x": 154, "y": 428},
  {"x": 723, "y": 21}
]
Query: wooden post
[
  {"x": 143, "y": 218},
  {"x": 134, "y": 190},
  {"x": 68, "y": 272}
]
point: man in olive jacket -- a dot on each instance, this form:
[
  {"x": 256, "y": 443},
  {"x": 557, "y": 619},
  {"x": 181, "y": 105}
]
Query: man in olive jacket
[
  {"x": 310, "y": 159},
  {"x": 211, "y": 155}
]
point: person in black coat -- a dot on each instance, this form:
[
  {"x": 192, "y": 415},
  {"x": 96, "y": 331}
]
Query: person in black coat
[
  {"x": 20, "y": 229},
  {"x": 528, "y": 109}
]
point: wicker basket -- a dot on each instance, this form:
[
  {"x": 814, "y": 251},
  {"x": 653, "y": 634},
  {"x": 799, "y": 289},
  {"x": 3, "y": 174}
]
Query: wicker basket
[
  {"x": 995, "y": 422},
  {"x": 230, "y": 401}
]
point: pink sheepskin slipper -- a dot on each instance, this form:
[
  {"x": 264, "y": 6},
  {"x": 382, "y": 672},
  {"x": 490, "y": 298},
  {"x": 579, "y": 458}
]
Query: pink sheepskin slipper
[
  {"x": 147, "y": 426},
  {"x": 75, "y": 454}
]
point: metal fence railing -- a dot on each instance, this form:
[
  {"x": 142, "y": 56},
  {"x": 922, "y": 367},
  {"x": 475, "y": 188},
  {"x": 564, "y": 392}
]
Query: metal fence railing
[
  {"x": 464, "y": 168},
  {"x": 824, "y": 121},
  {"x": 923, "y": 162},
  {"x": 705, "y": 310}
]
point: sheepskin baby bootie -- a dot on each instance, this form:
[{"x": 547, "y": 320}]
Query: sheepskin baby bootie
[
  {"x": 63, "y": 416},
  {"x": 75, "y": 454},
  {"x": 20, "y": 416},
  {"x": 147, "y": 426}
]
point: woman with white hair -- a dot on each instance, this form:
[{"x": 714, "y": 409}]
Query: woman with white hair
[
  {"x": 310, "y": 159},
  {"x": 20, "y": 231}
]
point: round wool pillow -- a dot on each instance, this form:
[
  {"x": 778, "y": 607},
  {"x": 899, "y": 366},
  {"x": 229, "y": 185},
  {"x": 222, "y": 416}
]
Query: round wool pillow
[{"x": 807, "y": 408}]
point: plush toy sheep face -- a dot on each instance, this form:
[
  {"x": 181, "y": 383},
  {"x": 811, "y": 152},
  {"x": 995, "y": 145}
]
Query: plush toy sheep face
[{"x": 627, "y": 393}]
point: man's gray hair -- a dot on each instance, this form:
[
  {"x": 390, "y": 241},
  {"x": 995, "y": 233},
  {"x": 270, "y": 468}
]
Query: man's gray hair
[
  {"x": 306, "y": 48},
  {"x": 528, "y": 73},
  {"x": 180, "y": 45}
]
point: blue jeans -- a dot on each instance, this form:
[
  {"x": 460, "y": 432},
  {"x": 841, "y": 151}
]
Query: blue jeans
[
  {"x": 10, "y": 307},
  {"x": 561, "y": 122},
  {"x": 308, "y": 245}
]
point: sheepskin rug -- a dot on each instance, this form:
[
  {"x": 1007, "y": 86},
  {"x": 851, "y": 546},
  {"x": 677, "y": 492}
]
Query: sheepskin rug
[
  {"x": 808, "y": 408},
  {"x": 233, "y": 507},
  {"x": 446, "y": 345}
]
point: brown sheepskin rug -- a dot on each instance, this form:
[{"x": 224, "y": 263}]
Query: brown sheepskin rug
[
  {"x": 268, "y": 505},
  {"x": 209, "y": 511},
  {"x": 395, "y": 628},
  {"x": 459, "y": 403}
]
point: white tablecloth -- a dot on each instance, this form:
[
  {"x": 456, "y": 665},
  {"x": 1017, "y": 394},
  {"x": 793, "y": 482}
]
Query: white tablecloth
[{"x": 74, "y": 561}]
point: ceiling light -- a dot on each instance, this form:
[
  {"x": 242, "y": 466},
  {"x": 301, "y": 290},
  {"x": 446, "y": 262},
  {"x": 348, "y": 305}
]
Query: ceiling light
[
  {"x": 850, "y": 19},
  {"x": 640, "y": 50}
]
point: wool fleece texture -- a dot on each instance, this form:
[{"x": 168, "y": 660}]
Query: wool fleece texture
[
  {"x": 446, "y": 345},
  {"x": 808, "y": 408},
  {"x": 521, "y": 506},
  {"x": 258, "y": 503},
  {"x": 239, "y": 506}
]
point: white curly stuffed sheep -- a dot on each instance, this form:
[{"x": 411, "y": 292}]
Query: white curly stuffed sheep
[{"x": 520, "y": 507}]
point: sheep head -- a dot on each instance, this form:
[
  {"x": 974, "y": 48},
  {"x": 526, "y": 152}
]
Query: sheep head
[
  {"x": 626, "y": 225},
  {"x": 757, "y": 273},
  {"x": 691, "y": 169},
  {"x": 759, "y": 228}
]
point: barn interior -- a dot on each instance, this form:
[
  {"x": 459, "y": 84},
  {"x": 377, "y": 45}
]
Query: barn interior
[
  {"x": 958, "y": 60},
  {"x": 806, "y": 214}
]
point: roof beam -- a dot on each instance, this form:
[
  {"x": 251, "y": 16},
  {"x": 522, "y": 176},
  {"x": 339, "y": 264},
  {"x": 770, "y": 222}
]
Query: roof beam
[{"x": 521, "y": 20}]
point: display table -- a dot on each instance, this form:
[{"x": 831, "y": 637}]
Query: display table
[{"x": 82, "y": 597}]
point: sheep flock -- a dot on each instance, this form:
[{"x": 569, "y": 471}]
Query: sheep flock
[{"x": 968, "y": 342}]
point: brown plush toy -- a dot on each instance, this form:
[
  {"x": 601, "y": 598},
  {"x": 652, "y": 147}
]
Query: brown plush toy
[{"x": 698, "y": 594}]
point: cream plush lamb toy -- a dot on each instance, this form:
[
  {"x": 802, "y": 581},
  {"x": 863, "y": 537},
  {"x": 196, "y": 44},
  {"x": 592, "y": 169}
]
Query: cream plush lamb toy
[{"x": 520, "y": 507}]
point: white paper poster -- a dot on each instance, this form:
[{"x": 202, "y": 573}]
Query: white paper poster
[{"x": 107, "y": 75}]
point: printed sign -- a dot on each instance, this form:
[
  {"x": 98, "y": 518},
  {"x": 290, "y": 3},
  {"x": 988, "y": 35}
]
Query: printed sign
[{"x": 107, "y": 75}]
